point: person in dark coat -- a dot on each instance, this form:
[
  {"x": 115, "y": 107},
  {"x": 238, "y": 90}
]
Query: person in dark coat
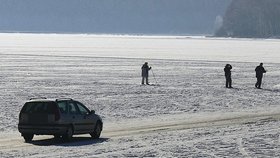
[
  {"x": 259, "y": 75},
  {"x": 227, "y": 70},
  {"x": 145, "y": 73}
]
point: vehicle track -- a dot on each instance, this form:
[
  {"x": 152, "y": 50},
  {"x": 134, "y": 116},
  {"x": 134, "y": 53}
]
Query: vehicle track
[{"x": 189, "y": 124}]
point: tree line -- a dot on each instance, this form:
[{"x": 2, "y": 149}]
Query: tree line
[{"x": 251, "y": 19}]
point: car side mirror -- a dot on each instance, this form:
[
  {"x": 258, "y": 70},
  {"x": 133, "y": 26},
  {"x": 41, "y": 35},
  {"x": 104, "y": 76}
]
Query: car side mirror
[{"x": 92, "y": 112}]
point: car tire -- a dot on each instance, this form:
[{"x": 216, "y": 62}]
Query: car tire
[
  {"x": 69, "y": 134},
  {"x": 28, "y": 137},
  {"x": 97, "y": 131}
]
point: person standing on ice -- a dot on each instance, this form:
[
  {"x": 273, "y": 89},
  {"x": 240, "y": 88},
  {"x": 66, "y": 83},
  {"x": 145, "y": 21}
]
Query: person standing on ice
[
  {"x": 259, "y": 75},
  {"x": 227, "y": 70},
  {"x": 145, "y": 73}
]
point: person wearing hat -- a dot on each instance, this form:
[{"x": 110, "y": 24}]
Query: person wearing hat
[
  {"x": 227, "y": 70},
  {"x": 259, "y": 75},
  {"x": 145, "y": 73}
]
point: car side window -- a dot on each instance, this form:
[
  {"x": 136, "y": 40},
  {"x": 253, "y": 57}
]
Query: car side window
[
  {"x": 72, "y": 108},
  {"x": 82, "y": 109},
  {"x": 62, "y": 105}
]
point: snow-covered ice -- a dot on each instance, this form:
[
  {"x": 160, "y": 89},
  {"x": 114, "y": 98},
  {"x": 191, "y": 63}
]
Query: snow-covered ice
[{"x": 188, "y": 113}]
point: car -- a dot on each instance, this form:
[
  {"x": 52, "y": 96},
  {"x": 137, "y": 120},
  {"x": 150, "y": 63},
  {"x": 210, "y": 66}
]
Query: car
[{"x": 62, "y": 118}]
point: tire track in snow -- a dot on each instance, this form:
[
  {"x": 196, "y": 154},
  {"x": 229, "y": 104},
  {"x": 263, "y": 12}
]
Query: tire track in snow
[
  {"x": 241, "y": 148},
  {"x": 149, "y": 127}
]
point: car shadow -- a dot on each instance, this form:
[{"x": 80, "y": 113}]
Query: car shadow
[{"x": 75, "y": 141}]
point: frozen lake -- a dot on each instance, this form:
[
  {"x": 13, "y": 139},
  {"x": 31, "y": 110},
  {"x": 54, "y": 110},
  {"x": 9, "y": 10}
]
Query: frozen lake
[
  {"x": 153, "y": 47},
  {"x": 188, "y": 114}
]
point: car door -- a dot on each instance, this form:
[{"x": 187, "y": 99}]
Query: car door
[
  {"x": 87, "y": 121},
  {"x": 75, "y": 116}
]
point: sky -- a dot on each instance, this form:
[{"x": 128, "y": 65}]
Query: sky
[{"x": 111, "y": 16}]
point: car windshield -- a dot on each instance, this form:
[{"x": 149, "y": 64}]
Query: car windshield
[{"x": 39, "y": 107}]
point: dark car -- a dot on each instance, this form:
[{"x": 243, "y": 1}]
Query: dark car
[{"x": 58, "y": 117}]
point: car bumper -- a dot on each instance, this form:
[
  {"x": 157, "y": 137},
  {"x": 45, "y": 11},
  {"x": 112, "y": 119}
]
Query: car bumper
[{"x": 42, "y": 129}]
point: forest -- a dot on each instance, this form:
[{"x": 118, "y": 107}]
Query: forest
[{"x": 251, "y": 19}]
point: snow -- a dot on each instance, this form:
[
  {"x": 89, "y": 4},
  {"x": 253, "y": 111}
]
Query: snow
[{"x": 186, "y": 113}]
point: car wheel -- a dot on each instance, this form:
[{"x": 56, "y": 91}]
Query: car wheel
[
  {"x": 28, "y": 137},
  {"x": 97, "y": 131},
  {"x": 69, "y": 134}
]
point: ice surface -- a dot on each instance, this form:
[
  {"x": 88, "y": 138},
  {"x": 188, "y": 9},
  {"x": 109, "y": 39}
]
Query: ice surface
[
  {"x": 156, "y": 47},
  {"x": 188, "y": 113}
]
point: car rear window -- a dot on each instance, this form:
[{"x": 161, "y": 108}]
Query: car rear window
[{"x": 39, "y": 107}]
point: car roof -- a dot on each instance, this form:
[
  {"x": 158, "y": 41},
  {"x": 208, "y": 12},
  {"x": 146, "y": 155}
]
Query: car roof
[{"x": 49, "y": 99}]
